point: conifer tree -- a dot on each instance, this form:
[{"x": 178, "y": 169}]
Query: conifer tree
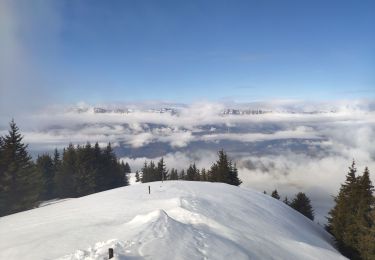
[
  {"x": 1, "y": 148},
  {"x": 145, "y": 174},
  {"x": 46, "y": 168},
  {"x": 85, "y": 174},
  {"x": 192, "y": 173},
  {"x": 233, "y": 175},
  {"x": 182, "y": 175},
  {"x": 99, "y": 166},
  {"x": 150, "y": 172},
  {"x": 342, "y": 221},
  {"x": 302, "y": 204},
  {"x": 162, "y": 173},
  {"x": 137, "y": 179},
  {"x": 367, "y": 245},
  {"x": 4, "y": 182},
  {"x": 56, "y": 166},
  {"x": 220, "y": 170},
  {"x": 154, "y": 172},
  {"x": 203, "y": 175},
  {"x": 65, "y": 178},
  {"x": 56, "y": 158},
  {"x": 364, "y": 217},
  {"x": 173, "y": 175},
  {"x": 275, "y": 195},
  {"x": 127, "y": 168},
  {"x": 286, "y": 201},
  {"x": 115, "y": 176},
  {"x": 125, "y": 173},
  {"x": 20, "y": 182},
  {"x": 1, "y": 151},
  {"x": 223, "y": 170},
  {"x": 366, "y": 199},
  {"x": 108, "y": 161},
  {"x": 212, "y": 173}
]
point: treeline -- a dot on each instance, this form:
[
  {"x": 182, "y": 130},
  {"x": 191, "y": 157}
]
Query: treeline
[
  {"x": 223, "y": 170},
  {"x": 352, "y": 220},
  {"x": 301, "y": 202},
  {"x": 82, "y": 170},
  {"x": 78, "y": 171}
]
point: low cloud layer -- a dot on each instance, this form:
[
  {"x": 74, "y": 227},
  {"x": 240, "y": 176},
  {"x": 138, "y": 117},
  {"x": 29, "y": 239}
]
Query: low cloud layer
[{"x": 288, "y": 145}]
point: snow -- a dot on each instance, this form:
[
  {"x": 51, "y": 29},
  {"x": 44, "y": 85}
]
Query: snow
[
  {"x": 178, "y": 220},
  {"x": 53, "y": 201}
]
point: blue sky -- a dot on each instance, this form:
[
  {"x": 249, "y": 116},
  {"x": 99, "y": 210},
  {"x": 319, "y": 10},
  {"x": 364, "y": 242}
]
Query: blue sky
[{"x": 104, "y": 51}]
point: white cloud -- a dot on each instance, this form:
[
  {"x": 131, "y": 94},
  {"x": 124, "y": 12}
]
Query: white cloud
[
  {"x": 300, "y": 132},
  {"x": 177, "y": 160},
  {"x": 328, "y": 141}
]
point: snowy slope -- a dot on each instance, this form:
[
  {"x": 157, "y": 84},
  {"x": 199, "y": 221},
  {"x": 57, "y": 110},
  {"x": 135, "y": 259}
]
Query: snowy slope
[{"x": 179, "y": 220}]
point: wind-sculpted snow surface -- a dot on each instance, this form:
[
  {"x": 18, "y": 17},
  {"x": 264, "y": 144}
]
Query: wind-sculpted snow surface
[{"x": 178, "y": 220}]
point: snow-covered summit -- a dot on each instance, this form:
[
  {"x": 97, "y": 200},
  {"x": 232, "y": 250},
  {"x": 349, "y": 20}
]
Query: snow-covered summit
[{"x": 178, "y": 220}]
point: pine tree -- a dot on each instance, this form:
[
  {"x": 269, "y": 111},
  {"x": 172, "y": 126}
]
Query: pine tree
[
  {"x": 212, "y": 173},
  {"x": 137, "y": 179},
  {"x": 364, "y": 217},
  {"x": 65, "y": 178},
  {"x": 302, "y": 204},
  {"x": 56, "y": 168},
  {"x": 203, "y": 175},
  {"x": 108, "y": 162},
  {"x": 182, "y": 175},
  {"x": 46, "y": 168},
  {"x": 82, "y": 170},
  {"x": 85, "y": 174},
  {"x": 127, "y": 168},
  {"x": 173, "y": 175},
  {"x": 233, "y": 175},
  {"x": 192, "y": 173},
  {"x": 114, "y": 175},
  {"x": 154, "y": 172},
  {"x": 286, "y": 201},
  {"x": 125, "y": 173},
  {"x": 1, "y": 151},
  {"x": 367, "y": 239},
  {"x": 366, "y": 200},
  {"x": 145, "y": 173},
  {"x": 4, "y": 182},
  {"x": 223, "y": 170},
  {"x": 162, "y": 173},
  {"x": 20, "y": 182},
  {"x": 220, "y": 170},
  {"x": 342, "y": 217},
  {"x": 275, "y": 195},
  {"x": 101, "y": 182},
  {"x": 56, "y": 160},
  {"x": 150, "y": 172}
]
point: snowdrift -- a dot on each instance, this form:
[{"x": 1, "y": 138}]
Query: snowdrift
[{"x": 178, "y": 220}]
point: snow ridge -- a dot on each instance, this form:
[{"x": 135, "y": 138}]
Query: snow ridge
[{"x": 178, "y": 220}]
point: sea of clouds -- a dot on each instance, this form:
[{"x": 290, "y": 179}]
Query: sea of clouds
[{"x": 293, "y": 146}]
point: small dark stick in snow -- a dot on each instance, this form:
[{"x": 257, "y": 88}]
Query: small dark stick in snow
[
  {"x": 110, "y": 253},
  {"x": 149, "y": 189}
]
